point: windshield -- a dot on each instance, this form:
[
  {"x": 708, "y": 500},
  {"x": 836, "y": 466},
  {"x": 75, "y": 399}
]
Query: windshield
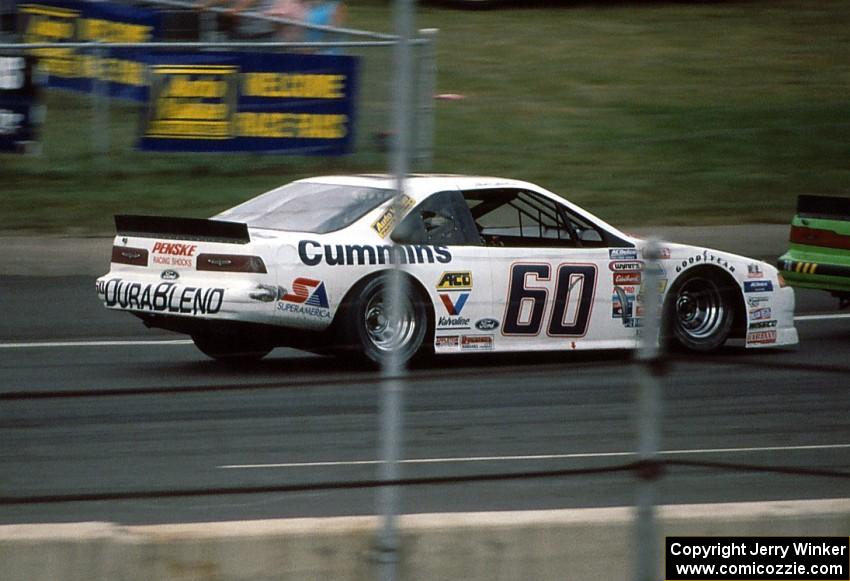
[{"x": 308, "y": 207}]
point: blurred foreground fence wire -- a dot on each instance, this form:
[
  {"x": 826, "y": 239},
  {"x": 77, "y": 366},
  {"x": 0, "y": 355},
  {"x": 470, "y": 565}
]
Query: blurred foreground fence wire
[{"x": 642, "y": 469}]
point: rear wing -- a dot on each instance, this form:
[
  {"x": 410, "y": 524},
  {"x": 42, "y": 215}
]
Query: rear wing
[
  {"x": 823, "y": 207},
  {"x": 182, "y": 228}
]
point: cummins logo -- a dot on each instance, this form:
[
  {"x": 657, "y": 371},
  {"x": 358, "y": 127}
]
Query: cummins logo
[{"x": 313, "y": 253}]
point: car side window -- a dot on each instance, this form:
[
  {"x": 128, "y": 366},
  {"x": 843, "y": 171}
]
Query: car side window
[
  {"x": 443, "y": 219},
  {"x": 519, "y": 218}
]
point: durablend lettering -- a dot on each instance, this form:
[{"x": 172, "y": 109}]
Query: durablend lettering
[
  {"x": 313, "y": 253},
  {"x": 164, "y": 297}
]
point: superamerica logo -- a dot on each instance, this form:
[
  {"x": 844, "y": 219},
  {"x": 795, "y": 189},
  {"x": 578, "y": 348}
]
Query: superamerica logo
[
  {"x": 313, "y": 253},
  {"x": 165, "y": 297},
  {"x": 308, "y": 297}
]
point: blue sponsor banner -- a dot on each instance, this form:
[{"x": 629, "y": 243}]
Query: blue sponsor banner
[
  {"x": 758, "y": 286},
  {"x": 121, "y": 72},
  {"x": 226, "y": 101},
  {"x": 20, "y": 110}
]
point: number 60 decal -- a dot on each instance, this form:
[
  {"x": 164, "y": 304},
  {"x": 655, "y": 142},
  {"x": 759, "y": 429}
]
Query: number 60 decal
[{"x": 575, "y": 286}]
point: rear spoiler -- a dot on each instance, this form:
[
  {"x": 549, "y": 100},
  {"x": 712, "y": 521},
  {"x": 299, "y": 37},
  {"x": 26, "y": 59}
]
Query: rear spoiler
[
  {"x": 827, "y": 207},
  {"x": 182, "y": 228}
]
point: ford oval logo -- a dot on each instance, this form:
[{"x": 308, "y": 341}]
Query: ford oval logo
[
  {"x": 487, "y": 324},
  {"x": 170, "y": 275}
]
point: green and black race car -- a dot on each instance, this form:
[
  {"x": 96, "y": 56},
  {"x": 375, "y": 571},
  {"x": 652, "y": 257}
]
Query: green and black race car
[{"x": 819, "y": 251}]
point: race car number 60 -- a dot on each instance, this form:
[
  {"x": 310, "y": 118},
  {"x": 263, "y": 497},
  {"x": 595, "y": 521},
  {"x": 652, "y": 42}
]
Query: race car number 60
[{"x": 574, "y": 290}]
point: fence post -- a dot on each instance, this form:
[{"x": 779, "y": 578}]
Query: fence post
[
  {"x": 649, "y": 372},
  {"x": 100, "y": 90},
  {"x": 426, "y": 110},
  {"x": 208, "y": 26},
  {"x": 393, "y": 371}
]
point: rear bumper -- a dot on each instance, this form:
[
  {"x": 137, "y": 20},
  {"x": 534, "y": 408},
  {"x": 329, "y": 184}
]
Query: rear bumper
[
  {"x": 241, "y": 301},
  {"x": 814, "y": 273}
]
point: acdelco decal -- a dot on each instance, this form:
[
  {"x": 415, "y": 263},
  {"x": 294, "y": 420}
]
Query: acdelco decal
[
  {"x": 165, "y": 297},
  {"x": 758, "y": 286},
  {"x": 455, "y": 281},
  {"x": 313, "y": 253},
  {"x": 705, "y": 258}
]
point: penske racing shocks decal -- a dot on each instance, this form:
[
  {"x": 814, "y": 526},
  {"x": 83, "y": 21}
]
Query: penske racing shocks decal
[{"x": 163, "y": 297}]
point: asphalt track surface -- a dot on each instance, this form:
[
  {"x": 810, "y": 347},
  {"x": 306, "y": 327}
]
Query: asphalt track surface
[{"x": 174, "y": 420}]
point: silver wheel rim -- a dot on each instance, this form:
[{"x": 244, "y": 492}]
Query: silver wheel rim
[
  {"x": 384, "y": 334},
  {"x": 700, "y": 310}
]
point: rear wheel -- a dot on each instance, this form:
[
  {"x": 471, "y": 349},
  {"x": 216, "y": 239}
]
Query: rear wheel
[
  {"x": 368, "y": 327},
  {"x": 700, "y": 312},
  {"x": 234, "y": 348}
]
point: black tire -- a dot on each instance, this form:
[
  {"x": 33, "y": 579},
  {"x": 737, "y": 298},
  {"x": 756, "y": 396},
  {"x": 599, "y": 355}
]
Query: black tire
[
  {"x": 231, "y": 347},
  {"x": 699, "y": 311},
  {"x": 366, "y": 329}
]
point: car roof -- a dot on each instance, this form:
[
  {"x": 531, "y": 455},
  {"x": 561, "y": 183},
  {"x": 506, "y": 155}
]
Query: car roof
[{"x": 422, "y": 183}]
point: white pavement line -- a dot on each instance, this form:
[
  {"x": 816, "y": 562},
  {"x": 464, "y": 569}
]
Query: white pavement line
[
  {"x": 533, "y": 457},
  {"x": 827, "y": 317},
  {"x": 93, "y": 343}
]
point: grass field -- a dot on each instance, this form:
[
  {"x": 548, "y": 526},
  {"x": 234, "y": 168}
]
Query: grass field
[{"x": 658, "y": 113}]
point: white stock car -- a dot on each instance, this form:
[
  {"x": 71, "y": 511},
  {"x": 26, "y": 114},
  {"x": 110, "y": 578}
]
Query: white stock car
[{"x": 488, "y": 264}]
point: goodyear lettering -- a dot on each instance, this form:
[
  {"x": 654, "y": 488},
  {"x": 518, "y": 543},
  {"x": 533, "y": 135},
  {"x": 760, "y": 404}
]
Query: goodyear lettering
[
  {"x": 705, "y": 258},
  {"x": 299, "y": 86},
  {"x": 162, "y": 297},
  {"x": 292, "y": 125},
  {"x": 313, "y": 253}
]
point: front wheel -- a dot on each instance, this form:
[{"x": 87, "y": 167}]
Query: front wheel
[
  {"x": 699, "y": 312},
  {"x": 369, "y": 328},
  {"x": 231, "y": 347}
]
